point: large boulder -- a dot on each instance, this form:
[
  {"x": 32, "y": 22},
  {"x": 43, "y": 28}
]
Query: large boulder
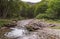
[{"x": 35, "y": 25}]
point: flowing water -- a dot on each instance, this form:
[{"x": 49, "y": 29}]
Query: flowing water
[{"x": 20, "y": 32}]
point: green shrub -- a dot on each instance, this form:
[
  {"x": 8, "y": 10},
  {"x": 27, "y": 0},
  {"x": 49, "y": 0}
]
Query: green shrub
[{"x": 41, "y": 16}]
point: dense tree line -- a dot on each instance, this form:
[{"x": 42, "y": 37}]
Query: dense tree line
[
  {"x": 8, "y": 7},
  {"x": 52, "y": 11},
  {"x": 49, "y": 9}
]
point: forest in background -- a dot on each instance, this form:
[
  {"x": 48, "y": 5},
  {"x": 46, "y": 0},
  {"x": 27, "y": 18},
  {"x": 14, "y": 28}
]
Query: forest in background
[
  {"x": 26, "y": 20},
  {"x": 46, "y": 9}
]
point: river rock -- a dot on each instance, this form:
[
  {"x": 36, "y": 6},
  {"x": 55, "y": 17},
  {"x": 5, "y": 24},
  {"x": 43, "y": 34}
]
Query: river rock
[
  {"x": 32, "y": 25},
  {"x": 35, "y": 25}
]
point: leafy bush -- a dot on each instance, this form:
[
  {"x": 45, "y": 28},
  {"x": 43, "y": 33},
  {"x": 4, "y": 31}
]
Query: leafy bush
[{"x": 41, "y": 16}]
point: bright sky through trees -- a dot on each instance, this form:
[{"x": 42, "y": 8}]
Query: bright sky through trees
[{"x": 32, "y": 1}]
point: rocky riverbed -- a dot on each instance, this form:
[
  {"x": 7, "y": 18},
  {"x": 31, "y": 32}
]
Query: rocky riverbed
[{"x": 30, "y": 29}]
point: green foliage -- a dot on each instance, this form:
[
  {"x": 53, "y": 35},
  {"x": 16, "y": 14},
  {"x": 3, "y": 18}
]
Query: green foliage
[
  {"x": 42, "y": 16},
  {"x": 40, "y": 8},
  {"x": 54, "y": 9},
  {"x": 8, "y": 8},
  {"x": 49, "y": 9}
]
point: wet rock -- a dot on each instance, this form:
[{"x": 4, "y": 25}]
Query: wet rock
[
  {"x": 15, "y": 33},
  {"x": 32, "y": 28}
]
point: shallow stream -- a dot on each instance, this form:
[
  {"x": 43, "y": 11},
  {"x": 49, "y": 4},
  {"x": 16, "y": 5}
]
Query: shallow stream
[{"x": 18, "y": 32}]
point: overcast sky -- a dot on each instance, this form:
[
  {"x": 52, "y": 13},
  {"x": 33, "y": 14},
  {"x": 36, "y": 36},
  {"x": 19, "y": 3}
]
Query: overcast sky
[{"x": 33, "y": 1}]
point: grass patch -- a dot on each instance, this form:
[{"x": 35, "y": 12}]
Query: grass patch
[
  {"x": 56, "y": 27},
  {"x": 4, "y": 21},
  {"x": 52, "y": 22}
]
